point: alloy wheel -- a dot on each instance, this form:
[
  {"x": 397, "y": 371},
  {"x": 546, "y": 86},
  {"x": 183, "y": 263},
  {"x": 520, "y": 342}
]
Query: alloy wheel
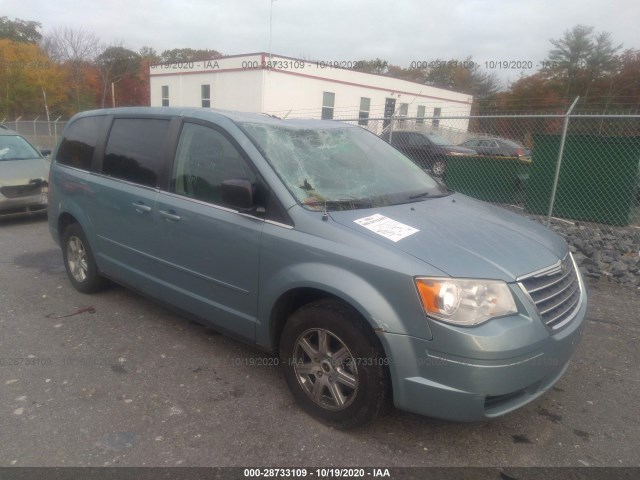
[
  {"x": 325, "y": 369},
  {"x": 77, "y": 259}
]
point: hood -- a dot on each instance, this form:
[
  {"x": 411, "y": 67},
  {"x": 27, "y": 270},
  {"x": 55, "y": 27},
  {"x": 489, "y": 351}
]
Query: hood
[
  {"x": 466, "y": 238},
  {"x": 21, "y": 172}
]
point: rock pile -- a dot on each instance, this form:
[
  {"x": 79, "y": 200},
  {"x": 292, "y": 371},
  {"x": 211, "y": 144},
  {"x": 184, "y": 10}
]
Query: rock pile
[{"x": 601, "y": 251}]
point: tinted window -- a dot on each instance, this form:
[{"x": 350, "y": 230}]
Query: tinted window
[
  {"x": 204, "y": 159},
  {"x": 399, "y": 138},
  {"x": 79, "y": 142},
  {"x": 135, "y": 151},
  {"x": 417, "y": 140}
]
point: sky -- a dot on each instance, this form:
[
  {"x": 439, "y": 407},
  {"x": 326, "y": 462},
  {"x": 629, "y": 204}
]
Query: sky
[{"x": 399, "y": 31}]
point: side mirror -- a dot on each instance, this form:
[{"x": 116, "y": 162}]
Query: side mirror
[
  {"x": 237, "y": 193},
  {"x": 45, "y": 152}
]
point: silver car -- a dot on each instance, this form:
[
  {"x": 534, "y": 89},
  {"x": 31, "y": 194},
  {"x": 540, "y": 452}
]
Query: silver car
[{"x": 24, "y": 176}]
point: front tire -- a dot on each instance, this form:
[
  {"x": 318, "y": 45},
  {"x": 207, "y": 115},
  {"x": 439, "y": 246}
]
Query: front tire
[
  {"x": 334, "y": 365},
  {"x": 79, "y": 261}
]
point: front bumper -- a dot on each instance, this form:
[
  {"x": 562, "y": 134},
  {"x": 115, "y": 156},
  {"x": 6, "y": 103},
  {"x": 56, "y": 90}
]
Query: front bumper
[
  {"x": 460, "y": 388},
  {"x": 23, "y": 206}
]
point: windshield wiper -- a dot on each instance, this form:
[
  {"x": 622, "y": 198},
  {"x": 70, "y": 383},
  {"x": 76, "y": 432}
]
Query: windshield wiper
[
  {"x": 419, "y": 195},
  {"x": 430, "y": 195},
  {"x": 349, "y": 203}
]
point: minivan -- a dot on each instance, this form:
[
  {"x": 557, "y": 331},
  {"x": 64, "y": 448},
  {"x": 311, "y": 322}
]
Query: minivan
[{"x": 322, "y": 244}]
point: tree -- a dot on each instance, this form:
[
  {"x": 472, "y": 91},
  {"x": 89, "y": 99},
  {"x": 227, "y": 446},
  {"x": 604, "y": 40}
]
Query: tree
[
  {"x": 182, "y": 55},
  {"x": 581, "y": 58},
  {"x": 76, "y": 49},
  {"x": 465, "y": 76},
  {"x": 114, "y": 64},
  {"x": 29, "y": 81},
  {"x": 20, "y": 30},
  {"x": 378, "y": 66},
  {"x": 149, "y": 54}
]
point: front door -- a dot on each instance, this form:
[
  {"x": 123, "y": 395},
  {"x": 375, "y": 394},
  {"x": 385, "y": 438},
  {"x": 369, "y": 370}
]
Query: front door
[{"x": 209, "y": 254}]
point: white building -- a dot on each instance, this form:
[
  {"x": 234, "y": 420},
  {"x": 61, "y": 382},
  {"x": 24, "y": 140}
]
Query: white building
[{"x": 292, "y": 87}]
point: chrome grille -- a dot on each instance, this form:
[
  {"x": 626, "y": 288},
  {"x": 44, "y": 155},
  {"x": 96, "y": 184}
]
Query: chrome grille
[{"x": 555, "y": 292}]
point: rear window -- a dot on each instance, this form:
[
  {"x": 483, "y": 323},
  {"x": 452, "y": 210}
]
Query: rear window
[
  {"x": 79, "y": 142},
  {"x": 135, "y": 150}
]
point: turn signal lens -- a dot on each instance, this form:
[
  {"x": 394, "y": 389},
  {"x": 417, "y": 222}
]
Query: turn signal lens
[{"x": 465, "y": 302}]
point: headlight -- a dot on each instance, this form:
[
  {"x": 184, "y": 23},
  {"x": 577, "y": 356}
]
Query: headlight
[{"x": 465, "y": 302}]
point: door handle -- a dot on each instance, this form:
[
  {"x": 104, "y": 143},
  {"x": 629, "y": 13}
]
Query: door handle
[
  {"x": 141, "y": 207},
  {"x": 172, "y": 217}
]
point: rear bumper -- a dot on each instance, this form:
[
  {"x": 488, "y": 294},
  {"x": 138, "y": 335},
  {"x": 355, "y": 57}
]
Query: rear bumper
[{"x": 443, "y": 385}]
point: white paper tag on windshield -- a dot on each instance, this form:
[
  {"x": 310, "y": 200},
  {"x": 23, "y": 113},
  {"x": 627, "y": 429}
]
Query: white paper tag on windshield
[{"x": 386, "y": 227}]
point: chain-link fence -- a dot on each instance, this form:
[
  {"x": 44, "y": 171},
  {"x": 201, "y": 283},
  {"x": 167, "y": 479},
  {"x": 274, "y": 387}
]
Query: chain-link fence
[{"x": 41, "y": 133}]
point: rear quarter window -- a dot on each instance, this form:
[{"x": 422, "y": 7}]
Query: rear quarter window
[
  {"x": 136, "y": 149},
  {"x": 79, "y": 142}
]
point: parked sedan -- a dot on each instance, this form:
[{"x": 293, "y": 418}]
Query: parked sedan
[
  {"x": 427, "y": 150},
  {"x": 497, "y": 147},
  {"x": 23, "y": 177}
]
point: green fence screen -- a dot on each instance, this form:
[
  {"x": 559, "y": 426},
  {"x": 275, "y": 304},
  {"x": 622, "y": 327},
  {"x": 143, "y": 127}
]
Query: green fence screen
[
  {"x": 597, "y": 180},
  {"x": 493, "y": 179}
]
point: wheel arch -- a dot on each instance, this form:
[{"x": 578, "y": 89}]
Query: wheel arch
[
  {"x": 321, "y": 281},
  {"x": 64, "y": 220}
]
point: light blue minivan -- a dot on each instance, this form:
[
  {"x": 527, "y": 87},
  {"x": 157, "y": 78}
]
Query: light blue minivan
[{"x": 319, "y": 242}]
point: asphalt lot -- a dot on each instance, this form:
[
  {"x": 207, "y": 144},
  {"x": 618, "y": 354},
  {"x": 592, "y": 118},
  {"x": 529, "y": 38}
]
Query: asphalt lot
[{"x": 133, "y": 384}]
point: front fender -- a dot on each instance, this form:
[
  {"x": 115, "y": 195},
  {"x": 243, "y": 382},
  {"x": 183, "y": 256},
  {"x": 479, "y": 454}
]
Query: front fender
[{"x": 371, "y": 302}]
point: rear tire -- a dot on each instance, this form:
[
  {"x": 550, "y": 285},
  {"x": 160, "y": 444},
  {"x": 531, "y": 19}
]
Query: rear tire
[
  {"x": 79, "y": 261},
  {"x": 334, "y": 365}
]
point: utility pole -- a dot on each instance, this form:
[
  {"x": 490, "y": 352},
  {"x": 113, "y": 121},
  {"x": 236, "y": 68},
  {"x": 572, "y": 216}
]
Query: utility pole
[{"x": 270, "y": 28}]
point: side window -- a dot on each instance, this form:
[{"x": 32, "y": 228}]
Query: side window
[
  {"x": 399, "y": 138},
  {"x": 79, "y": 142},
  {"x": 204, "y": 159},
  {"x": 135, "y": 150},
  {"x": 416, "y": 140}
]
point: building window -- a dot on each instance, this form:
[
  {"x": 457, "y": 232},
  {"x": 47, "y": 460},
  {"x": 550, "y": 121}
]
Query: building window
[
  {"x": 403, "y": 111},
  {"x": 420, "y": 119},
  {"x": 328, "y": 100},
  {"x": 365, "y": 107},
  {"x": 205, "y": 93},
  {"x": 436, "y": 113},
  {"x": 165, "y": 95}
]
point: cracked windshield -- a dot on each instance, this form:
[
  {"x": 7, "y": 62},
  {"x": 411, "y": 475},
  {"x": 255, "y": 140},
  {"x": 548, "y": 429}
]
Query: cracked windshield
[{"x": 342, "y": 167}]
